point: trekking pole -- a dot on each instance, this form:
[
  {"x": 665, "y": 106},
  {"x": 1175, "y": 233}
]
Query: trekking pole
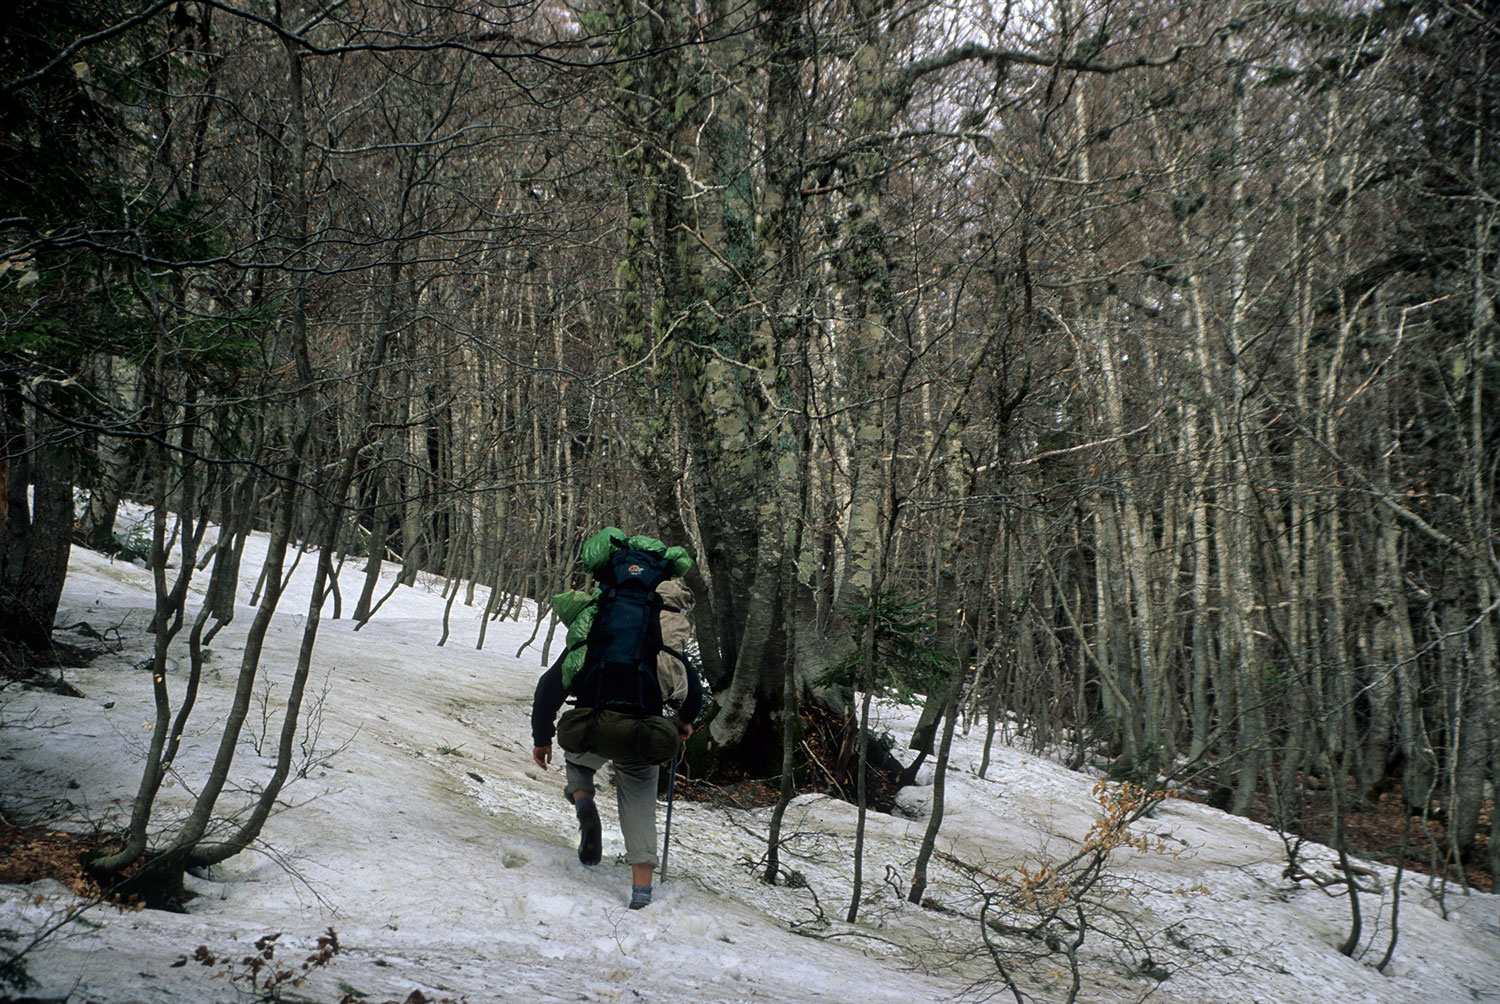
[{"x": 666, "y": 839}]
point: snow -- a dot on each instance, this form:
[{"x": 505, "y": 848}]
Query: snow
[{"x": 445, "y": 860}]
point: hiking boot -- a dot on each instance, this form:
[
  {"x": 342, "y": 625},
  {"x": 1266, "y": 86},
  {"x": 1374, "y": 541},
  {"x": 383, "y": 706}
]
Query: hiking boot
[
  {"x": 590, "y": 836},
  {"x": 640, "y": 895}
]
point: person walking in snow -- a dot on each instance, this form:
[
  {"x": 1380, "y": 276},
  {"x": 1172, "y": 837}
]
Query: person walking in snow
[{"x": 622, "y": 669}]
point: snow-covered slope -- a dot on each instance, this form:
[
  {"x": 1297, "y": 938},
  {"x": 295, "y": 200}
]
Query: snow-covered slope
[{"x": 445, "y": 860}]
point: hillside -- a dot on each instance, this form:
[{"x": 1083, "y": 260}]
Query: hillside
[{"x": 444, "y": 860}]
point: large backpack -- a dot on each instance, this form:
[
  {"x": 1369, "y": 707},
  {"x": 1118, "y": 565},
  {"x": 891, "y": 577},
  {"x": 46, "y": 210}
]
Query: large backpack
[
  {"x": 618, "y": 668},
  {"x": 619, "y": 664}
]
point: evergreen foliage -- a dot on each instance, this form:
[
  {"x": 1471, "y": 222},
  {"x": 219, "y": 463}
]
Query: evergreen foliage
[{"x": 907, "y": 662}]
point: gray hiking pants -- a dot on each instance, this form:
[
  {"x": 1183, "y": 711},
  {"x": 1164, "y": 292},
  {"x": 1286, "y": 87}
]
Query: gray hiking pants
[{"x": 635, "y": 790}]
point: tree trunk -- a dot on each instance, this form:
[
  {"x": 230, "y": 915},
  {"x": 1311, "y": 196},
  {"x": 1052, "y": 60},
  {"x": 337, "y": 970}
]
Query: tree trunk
[{"x": 38, "y": 525}]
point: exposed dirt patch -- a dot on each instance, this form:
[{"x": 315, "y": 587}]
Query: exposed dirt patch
[
  {"x": 826, "y": 762},
  {"x": 31, "y": 853},
  {"x": 43, "y": 669},
  {"x": 1379, "y": 832}
]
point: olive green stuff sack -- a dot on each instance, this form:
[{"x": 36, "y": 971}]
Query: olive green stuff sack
[{"x": 617, "y": 736}]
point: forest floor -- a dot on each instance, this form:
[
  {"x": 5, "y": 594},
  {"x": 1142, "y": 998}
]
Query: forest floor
[
  {"x": 31, "y": 853},
  {"x": 446, "y": 860},
  {"x": 1377, "y": 831},
  {"x": 1380, "y": 831}
]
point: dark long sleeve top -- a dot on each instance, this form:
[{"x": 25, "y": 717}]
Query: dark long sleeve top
[{"x": 549, "y": 697}]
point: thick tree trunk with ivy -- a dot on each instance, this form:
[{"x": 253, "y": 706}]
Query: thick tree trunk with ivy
[{"x": 719, "y": 320}]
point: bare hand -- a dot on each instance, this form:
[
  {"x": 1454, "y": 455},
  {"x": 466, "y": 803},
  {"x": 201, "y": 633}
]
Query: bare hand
[
  {"x": 541, "y": 756},
  {"x": 684, "y": 729}
]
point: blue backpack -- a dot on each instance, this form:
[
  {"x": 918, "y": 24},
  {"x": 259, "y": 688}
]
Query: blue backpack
[{"x": 619, "y": 664}]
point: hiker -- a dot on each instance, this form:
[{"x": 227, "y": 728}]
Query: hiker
[{"x": 620, "y": 700}]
